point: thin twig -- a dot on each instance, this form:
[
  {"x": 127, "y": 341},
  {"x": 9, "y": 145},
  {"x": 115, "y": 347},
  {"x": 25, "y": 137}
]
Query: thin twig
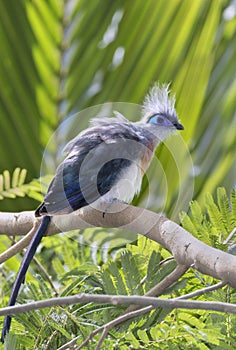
[
  {"x": 70, "y": 344},
  {"x": 46, "y": 275},
  {"x": 157, "y": 289},
  {"x": 202, "y": 291},
  {"x": 161, "y": 286},
  {"x": 19, "y": 246},
  {"x": 162, "y": 263},
  {"x": 226, "y": 241},
  {"x": 103, "y": 336},
  {"x": 105, "y": 328},
  {"x": 167, "y": 281},
  {"x": 109, "y": 325}
]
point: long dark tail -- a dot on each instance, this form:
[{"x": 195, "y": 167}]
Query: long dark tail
[{"x": 41, "y": 231}]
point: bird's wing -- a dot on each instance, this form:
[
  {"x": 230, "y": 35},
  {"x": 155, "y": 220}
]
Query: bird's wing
[
  {"x": 90, "y": 170},
  {"x": 97, "y": 126},
  {"x": 70, "y": 191}
]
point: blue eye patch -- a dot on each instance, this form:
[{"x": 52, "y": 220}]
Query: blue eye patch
[{"x": 159, "y": 119}]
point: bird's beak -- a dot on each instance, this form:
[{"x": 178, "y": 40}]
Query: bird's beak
[{"x": 178, "y": 126}]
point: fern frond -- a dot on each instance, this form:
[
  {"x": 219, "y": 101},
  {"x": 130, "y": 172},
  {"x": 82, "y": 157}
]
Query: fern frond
[
  {"x": 152, "y": 270},
  {"x": 10, "y": 186},
  {"x": 108, "y": 283},
  {"x": 215, "y": 227},
  {"x": 197, "y": 224},
  {"x": 233, "y": 204},
  {"x": 131, "y": 273},
  {"x": 215, "y": 215},
  {"x": 225, "y": 209},
  {"x": 156, "y": 272},
  {"x": 13, "y": 185},
  {"x": 118, "y": 279},
  {"x": 200, "y": 222},
  {"x": 187, "y": 222}
]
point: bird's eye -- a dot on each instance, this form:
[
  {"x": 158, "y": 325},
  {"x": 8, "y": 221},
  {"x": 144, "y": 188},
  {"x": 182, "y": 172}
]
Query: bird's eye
[{"x": 159, "y": 119}]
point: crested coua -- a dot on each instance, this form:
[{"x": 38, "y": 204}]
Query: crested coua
[{"x": 105, "y": 162}]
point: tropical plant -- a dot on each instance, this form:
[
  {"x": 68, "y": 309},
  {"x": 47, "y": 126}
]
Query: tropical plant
[
  {"x": 61, "y": 57},
  {"x": 136, "y": 269}
]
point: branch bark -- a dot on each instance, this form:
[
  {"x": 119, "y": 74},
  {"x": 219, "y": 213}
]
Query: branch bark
[
  {"x": 154, "y": 302},
  {"x": 186, "y": 249}
]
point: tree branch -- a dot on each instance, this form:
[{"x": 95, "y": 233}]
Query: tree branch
[
  {"x": 186, "y": 249},
  {"x": 119, "y": 300},
  {"x": 130, "y": 313},
  {"x": 18, "y": 246}
]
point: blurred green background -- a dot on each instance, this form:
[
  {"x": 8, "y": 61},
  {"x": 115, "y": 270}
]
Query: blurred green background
[{"x": 59, "y": 57}]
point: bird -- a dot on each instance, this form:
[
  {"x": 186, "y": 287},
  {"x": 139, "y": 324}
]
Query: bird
[{"x": 104, "y": 163}]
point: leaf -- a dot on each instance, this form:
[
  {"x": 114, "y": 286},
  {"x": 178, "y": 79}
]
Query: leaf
[
  {"x": 109, "y": 286},
  {"x": 134, "y": 341},
  {"x": 152, "y": 270},
  {"x": 60, "y": 329},
  {"x": 225, "y": 209},
  {"x": 118, "y": 279},
  {"x": 12, "y": 186},
  {"x": 191, "y": 319},
  {"x": 215, "y": 214},
  {"x": 142, "y": 334},
  {"x": 187, "y": 223},
  {"x": 60, "y": 57},
  {"x": 6, "y": 177},
  {"x": 131, "y": 274},
  {"x": 233, "y": 204}
]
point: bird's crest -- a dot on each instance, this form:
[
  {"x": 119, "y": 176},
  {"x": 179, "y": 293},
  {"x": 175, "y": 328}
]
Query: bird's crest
[{"x": 159, "y": 101}]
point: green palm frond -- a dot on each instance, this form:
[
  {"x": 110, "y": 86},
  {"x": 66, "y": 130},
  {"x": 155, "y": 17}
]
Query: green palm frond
[
  {"x": 13, "y": 185},
  {"x": 60, "y": 58}
]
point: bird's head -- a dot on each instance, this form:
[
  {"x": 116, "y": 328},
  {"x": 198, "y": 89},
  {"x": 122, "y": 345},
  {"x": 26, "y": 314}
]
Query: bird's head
[{"x": 159, "y": 112}]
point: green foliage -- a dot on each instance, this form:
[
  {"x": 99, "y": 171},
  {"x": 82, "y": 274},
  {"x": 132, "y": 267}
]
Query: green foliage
[
  {"x": 76, "y": 268},
  {"x": 12, "y": 186},
  {"x": 215, "y": 222},
  {"x": 59, "y": 57},
  {"x": 136, "y": 269}
]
